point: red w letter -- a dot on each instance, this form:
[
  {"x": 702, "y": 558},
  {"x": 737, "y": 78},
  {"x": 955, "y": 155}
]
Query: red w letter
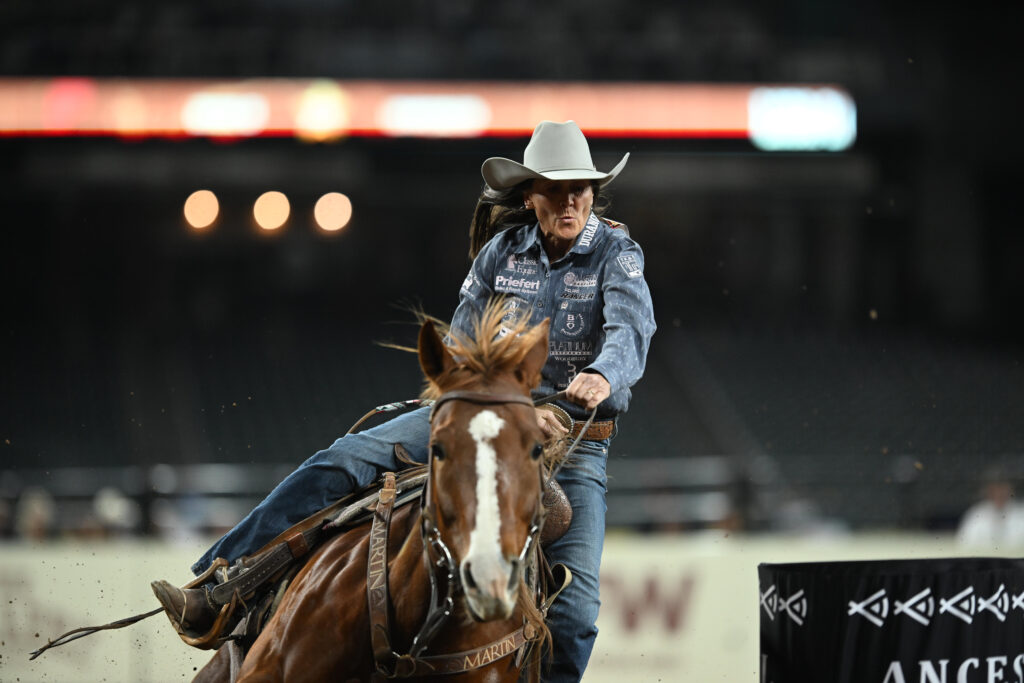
[{"x": 651, "y": 599}]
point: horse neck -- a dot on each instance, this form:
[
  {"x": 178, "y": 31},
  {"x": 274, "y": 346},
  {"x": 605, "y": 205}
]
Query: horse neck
[{"x": 409, "y": 585}]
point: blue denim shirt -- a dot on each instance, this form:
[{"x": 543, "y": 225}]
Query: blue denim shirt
[{"x": 602, "y": 318}]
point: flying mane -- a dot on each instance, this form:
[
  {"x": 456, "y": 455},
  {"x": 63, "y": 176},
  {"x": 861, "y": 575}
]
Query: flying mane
[{"x": 497, "y": 347}]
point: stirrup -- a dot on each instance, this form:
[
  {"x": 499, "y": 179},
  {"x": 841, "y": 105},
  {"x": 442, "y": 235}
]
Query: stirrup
[
  {"x": 241, "y": 582},
  {"x": 211, "y": 639}
]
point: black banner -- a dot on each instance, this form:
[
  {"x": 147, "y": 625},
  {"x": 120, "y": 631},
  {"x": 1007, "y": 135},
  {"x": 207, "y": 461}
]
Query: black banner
[{"x": 956, "y": 620}]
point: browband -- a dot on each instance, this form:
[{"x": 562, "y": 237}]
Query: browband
[
  {"x": 487, "y": 399},
  {"x": 480, "y": 398}
]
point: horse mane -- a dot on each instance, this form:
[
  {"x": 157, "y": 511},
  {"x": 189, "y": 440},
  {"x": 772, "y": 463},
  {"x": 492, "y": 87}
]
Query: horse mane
[{"x": 496, "y": 347}]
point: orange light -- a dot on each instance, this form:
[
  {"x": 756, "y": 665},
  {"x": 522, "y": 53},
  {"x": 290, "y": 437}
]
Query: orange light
[
  {"x": 201, "y": 209},
  {"x": 322, "y": 112},
  {"x": 333, "y": 211},
  {"x": 271, "y": 210}
]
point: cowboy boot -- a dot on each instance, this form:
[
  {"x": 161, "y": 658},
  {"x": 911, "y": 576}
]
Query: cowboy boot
[{"x": 189, "y": 607}]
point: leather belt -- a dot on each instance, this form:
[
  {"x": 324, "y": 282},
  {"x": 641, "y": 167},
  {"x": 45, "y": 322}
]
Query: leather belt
[{"x": 598, "y": 430}]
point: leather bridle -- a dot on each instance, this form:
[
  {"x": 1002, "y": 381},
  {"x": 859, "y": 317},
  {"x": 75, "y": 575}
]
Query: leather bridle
[
  {"x": 432, "y": 540},
  {"x": 431, "y": 532},
  {"x": 438, "y": 558}
]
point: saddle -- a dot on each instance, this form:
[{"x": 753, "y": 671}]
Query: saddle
[{"x": 258, "y": 582}]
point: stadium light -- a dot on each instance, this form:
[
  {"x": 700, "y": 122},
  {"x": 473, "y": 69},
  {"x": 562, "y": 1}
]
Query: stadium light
[
  {"x": 201, "y": 209},
  {"x": 332, "y": 211},
  {"x": 271, "y": 210}
]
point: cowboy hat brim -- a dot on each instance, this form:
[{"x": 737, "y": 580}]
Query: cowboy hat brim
[{"x": 502, "y": 174}]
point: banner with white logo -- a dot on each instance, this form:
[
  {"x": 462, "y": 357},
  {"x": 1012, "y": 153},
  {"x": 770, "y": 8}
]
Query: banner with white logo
[{"x": 893, "y": 621}]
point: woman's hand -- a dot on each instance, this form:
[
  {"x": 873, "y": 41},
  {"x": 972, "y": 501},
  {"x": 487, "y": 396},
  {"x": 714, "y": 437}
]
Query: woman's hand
[
  {"x": 588, "y": 389},
  {"x": 549, "y": 424}
]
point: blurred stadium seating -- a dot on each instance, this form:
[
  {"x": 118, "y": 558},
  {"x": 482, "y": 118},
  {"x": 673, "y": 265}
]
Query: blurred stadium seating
[
  {"x": 839, "y": 339},
  {"x": 729, "y": 429}
]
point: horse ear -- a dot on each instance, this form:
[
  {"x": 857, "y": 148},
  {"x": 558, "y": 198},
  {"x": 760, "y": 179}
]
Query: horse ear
[
  {"x": 528, "y": 372},
  {"x": 434, "y": 355}
]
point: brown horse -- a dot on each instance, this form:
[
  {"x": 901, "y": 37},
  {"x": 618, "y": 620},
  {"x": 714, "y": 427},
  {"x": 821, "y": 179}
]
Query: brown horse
[{"x": 468, "y": 540}]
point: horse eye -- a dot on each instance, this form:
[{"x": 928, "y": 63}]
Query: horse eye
[
  {"x": 537, "y": 451},
  {"x": 437, "y": 451}
]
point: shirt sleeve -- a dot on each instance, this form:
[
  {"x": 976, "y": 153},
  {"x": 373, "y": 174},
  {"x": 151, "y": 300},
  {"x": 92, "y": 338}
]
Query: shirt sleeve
[
  {"x": 477, "y": 289},
  {"x": 628, "y": 318}
]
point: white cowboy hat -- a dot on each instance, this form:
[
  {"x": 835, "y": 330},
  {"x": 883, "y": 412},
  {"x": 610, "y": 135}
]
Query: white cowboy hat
[{"x": 557, "y": 151}]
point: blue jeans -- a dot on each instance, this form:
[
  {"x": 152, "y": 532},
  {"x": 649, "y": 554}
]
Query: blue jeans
[
  {"x": 356, "y": 460},
  {"x": 573, "y": 616}
]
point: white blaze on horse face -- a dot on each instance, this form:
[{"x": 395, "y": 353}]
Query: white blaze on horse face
[{"x": 484, "y": 554}]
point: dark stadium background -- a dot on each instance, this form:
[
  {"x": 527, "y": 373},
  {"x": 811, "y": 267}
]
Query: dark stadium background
[{"x": 838, "y": 330}]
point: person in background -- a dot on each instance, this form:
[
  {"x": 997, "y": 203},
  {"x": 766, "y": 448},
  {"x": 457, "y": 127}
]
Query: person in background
[
  {"x": 996, "y": 521},
  {"x": 35, "y": 516},
  {"x": 6, "y": 520}
]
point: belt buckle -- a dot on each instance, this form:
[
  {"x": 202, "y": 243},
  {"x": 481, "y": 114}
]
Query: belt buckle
[{"x": 564, "y": 418}]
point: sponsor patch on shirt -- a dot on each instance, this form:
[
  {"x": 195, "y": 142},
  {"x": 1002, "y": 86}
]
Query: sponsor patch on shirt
[
  {"x": 587, "y": 236},
  {"x": 571, "y": 279},
  {"x": 516, "y": 309},
  {"x": 630, "y": 265},
  {"x": 524, "y": 265},
  {"x": 467, "y": 284},
  {"x": 579, "y": 287},
  {"x": 572, "y": 324},
  {"x": 565, "y": 350},
  {"x": 516, "y": 285}
]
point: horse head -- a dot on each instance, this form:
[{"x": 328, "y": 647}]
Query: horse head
[{"x": 484, "y": 488}]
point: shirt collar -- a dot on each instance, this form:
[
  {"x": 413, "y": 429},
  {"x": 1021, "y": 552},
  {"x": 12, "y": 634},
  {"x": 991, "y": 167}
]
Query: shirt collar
[
  {"x": 527, "y": 239},
  {"x": 586, "y": 241},
  {"x": 589, "y": 236}
]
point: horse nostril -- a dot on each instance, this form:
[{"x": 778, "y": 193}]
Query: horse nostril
[
  {"x": 515, "y": 567},
  {"x": 467, "y": 577}
]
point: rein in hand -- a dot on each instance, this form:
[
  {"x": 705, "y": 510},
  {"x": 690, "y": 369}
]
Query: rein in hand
[{"x": 561, "y": 396}]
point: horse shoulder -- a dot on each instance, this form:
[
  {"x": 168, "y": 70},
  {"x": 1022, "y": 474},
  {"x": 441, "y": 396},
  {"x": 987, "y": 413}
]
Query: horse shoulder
[
  {"x": 217, "y": 670},
  {"x": 409, "y": 588},
  {"x": 321, "y": 630},
  {"x": 300, "y": 642}
]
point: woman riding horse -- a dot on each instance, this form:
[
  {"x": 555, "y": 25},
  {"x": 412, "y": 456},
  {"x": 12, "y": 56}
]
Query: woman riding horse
[
  {"x": 539, "y": 241},
  {"x": 438, "y": 591}
]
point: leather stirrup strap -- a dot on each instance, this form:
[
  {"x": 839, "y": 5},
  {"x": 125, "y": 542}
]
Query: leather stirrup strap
[
  {"x": 265, "y": 565},
  {"x": 377, "y": 579}
]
